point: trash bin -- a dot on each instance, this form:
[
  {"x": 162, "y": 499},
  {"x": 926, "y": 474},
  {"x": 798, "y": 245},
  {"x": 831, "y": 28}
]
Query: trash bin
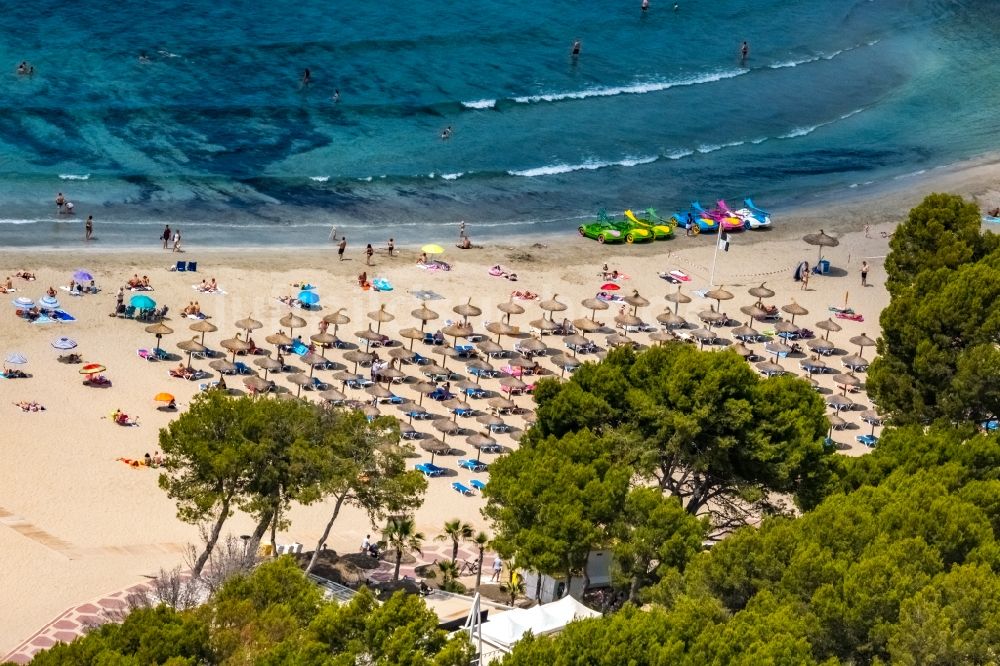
[{"x": 824, "y": 266}]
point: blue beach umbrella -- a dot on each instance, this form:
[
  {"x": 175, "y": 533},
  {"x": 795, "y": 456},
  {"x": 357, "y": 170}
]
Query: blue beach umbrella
[
  {"x": 142, "y": 302},
  {"x": 309, "y": 297},
  {"x": 48, "y": 303},
  {"x": 17, "y": 358},
  {"x": 82, "y": 276},
  {"x": 64, "y": 343},
  {"x": 22, "y": 302}
]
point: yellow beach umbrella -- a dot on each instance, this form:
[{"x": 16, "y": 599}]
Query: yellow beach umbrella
[{"x": 431, "y": 248}]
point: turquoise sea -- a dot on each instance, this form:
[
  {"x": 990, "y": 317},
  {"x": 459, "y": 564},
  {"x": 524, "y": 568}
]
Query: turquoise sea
[{"x": 214, "y": 132}]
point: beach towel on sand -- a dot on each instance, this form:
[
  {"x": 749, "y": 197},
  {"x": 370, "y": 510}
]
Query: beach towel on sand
[
  {"x": 381, "y": 284},
  {"x": 680, "y": 275}
]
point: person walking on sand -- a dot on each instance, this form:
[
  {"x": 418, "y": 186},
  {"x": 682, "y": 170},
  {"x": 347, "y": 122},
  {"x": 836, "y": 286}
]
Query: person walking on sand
[
  {"x": 868, "y": 230},
  {"x": 368, "y": 255},
  {"x": 60, "y": 201},
  {"x": 342, "y": 247},
  {"x": 864, "y": 273},
  {"x": 392, "y": 246},
  {"x": 805, "y": 279},
  {"x": 177, "y": 240},
  {"x": 89, "y": 228},
  {"x": 461, "y": 229},
  {"x": 165, "y": 236}
]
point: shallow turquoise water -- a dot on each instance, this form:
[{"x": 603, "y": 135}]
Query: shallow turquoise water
[{"x": 216, "y": 133}]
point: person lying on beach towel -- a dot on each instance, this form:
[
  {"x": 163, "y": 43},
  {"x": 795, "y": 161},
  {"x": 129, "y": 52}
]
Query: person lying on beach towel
[
  {"x": 524, "y": 295},
  {"x": 30, "y": 406},
  {"x": 502, "y": 271},
  {"x": 122, "y": 419},
  {"x": 25, "y": 275},
  {"x": 13, "y": 373},
  {"x": 135, "y": 464}
]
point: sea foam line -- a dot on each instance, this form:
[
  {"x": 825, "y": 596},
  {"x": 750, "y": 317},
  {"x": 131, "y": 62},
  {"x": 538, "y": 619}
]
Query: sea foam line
[
  {"x": 73, "y": 176},
  {"x": 480, "y": 104},
  {"x": 590, "y": 165},
  {"x": 633, "y": 89}
]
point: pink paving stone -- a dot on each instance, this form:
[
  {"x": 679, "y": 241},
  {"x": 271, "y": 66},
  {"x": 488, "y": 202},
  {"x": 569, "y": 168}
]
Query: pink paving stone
[
  {"x": 66, "y": 636},
  {"x": 42, "y": 641},
  {"x": 109, "y": 602},
  {"x": 20, "y": 658},
  {"x": 90, "y": 620},
  {"x": 87, "y": 608},
  {"x": 64, "y": 624}
]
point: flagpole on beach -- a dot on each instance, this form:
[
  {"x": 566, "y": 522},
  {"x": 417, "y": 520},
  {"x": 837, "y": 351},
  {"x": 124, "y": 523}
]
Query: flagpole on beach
[{"x": 723, "y": 242}]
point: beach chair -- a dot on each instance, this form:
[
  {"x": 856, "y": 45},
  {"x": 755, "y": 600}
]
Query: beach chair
[
  {"x": 475, "y": 392},
  {"x": 429, "y": 469},
  {"x": 319, "y": 384},
  {"x": 146, "y": 355},
  {"x": 129, "y": 312},
  {"x": 464, "y": 351},
  {"x": 411, "y": 434},
  {"x": 242, "y": 368},
  {"x": 161, "y": 354},
  {"x": 462, "y": 489},
  {"x": 207, "y": 386},
  {"x": 192, "y": 266},
  {"x": 477, "y": 484},
  {"x": 180, "y": 267},
  {"x": 472, "y": 465},
  {"x": 464, "y": 411},
  {"x": 868, "y": 440},
  {"x": 499, "y": 428}
]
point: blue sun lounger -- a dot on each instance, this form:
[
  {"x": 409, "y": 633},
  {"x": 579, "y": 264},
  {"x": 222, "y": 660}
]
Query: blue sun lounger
[
  {"x": 472, "y": 465},
  {"x": 868, "y": 440},
  {"x": 462, "y": 489},
  {"x": 477, "y": 484},
  {"x": 429, "y": 469},
  {"x": 242, "y": 368}
]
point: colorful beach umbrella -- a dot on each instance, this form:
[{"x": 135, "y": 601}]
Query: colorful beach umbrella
[
  {"x": 609, "y": 286},
  {"x": 163, "y": 397},
  {"x": 431, "y": 248},
  {"x": 82, "y": 276},
  {"x": 142, "y": 302},
  {"x": 22, "y": 302},
  {"x": 309, "y": 297},
  {"x": 92, "y": 368}
]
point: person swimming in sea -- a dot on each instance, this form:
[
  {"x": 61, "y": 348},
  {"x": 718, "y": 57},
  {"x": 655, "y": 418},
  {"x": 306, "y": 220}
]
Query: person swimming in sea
[
  {"x": 744, "y": 52},
  {"x": 143, "y": 58},
  {"x": 576, "y": 48},
  {"x": 306, "y": 77},
  {"x": 336, "y": 96},
  {"x": 645, "y": 5},
  {"x": 446, "y": 133}
]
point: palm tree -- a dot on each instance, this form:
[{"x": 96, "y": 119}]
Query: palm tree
[
  {"x": 457, "y": 531},
  {"x": 401, "y": 535},
  {"x": 481, "y": 540}
]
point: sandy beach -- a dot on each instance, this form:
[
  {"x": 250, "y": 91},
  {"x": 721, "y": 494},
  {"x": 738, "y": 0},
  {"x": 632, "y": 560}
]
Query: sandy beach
[{"x": 77, "y": 523}]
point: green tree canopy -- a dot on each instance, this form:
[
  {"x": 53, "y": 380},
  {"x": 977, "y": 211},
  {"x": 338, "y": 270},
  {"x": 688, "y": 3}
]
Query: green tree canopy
[
  {"x": 704, "y": 426},
  {"x": 938, "y": 355},
  {"x": 900, "y": 567},
  {"x": 272, "y": 616},
  {"x": 942, "y": 232}
]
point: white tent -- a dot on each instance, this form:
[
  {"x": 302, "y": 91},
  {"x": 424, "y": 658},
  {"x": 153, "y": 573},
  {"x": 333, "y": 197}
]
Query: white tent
[{"x": 505, "y": 629}]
